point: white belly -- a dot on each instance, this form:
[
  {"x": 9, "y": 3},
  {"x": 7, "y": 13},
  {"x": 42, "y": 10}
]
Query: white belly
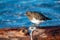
[{"x": 36, "y": 21}]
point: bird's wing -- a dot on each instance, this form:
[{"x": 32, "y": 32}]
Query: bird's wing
[{"x": 42, "y": 17}]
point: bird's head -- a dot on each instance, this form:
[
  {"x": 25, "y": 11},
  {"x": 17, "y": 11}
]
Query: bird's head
[{"x": 30, "y": 15}]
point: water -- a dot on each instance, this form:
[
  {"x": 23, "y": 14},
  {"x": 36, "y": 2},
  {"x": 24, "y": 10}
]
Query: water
[{"x": 12, "y": 12}]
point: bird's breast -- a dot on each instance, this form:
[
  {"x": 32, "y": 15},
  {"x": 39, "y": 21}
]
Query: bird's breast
[{"x": 36, "y": 21}]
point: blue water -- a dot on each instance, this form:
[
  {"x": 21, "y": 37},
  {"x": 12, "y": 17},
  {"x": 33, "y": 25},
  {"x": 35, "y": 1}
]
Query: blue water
[{"x": 12, "y": 12}]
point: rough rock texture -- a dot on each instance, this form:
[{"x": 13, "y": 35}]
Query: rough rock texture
[{"x": 38, "y": 34}]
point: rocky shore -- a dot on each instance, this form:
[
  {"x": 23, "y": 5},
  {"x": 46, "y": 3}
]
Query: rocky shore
[{"x": 46, "y": 33}]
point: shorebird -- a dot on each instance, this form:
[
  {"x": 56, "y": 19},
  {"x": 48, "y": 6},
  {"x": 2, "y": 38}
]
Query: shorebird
[{"x": 36, "y": 17}]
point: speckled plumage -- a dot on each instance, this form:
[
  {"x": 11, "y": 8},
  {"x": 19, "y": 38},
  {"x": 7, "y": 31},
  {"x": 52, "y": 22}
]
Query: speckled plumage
[{"x": 36, "y": 17}]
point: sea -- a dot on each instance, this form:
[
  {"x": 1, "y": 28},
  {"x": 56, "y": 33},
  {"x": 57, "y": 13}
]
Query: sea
[{"x": 12, "y": 12}]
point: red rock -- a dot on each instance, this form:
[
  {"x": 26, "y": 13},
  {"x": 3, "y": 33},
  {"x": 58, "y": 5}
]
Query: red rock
[{"x": 22, "y": 34}]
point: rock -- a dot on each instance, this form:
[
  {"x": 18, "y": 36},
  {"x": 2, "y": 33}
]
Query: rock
[{"x": 38, "y": 34}]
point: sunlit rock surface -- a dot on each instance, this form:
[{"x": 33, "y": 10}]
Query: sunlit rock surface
[{"x": 47, "y": 33}]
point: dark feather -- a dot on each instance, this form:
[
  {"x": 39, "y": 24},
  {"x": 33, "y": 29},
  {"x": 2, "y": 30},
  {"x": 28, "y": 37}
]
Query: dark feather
[{"x": 41, "y": 16}]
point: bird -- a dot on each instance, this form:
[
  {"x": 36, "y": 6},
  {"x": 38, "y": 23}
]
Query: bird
[{"x": 36, "y": 17}]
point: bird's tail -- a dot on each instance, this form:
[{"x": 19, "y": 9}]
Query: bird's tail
[{"x": 47, "y": 18}]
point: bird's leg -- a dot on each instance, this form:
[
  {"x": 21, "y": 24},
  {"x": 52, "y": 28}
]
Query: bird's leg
[{"x": 34, "y": 25}]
